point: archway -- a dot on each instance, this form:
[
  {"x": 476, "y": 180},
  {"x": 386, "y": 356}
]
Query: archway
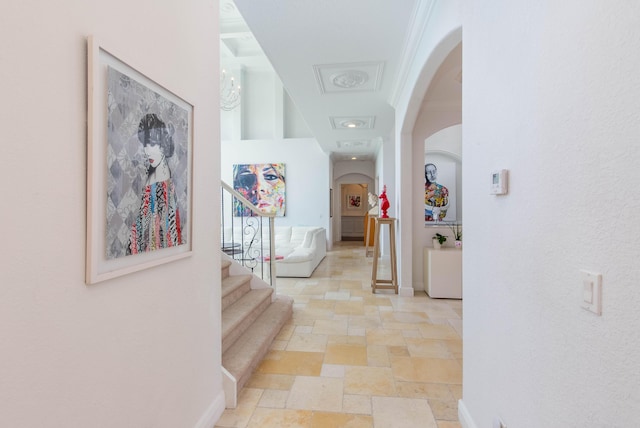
[{"x": 410, "y": 175}]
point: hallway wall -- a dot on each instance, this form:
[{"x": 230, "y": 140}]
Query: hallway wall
[
  {"x": 141, "y": 350},
  {"x": 551, "y": 93}
]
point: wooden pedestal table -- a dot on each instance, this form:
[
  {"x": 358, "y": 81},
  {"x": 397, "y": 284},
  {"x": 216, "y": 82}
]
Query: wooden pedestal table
[
  {"x": 384, "y": 284},
  {"x": 369, "y": 233}
]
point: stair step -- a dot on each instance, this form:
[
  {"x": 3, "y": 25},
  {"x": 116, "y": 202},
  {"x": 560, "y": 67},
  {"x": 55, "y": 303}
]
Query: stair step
[
  {"x": 238, "y": 317},
  {"x": 225, "y": 268},
  {"x": 233, "y": 288},
  {"x": 242, "y": 358}
]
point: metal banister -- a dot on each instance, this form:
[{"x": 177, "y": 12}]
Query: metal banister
[{"x": 247, "y": 238}]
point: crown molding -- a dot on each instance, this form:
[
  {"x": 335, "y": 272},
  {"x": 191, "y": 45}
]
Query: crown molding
[{"x": 417, "y": 29}]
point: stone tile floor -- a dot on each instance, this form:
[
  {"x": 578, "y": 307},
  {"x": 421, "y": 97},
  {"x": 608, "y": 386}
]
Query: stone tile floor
[{"x": 350, "y": 358}]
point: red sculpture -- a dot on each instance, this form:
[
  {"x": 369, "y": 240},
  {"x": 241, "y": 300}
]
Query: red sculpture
[{"x": 384, "y": 206}]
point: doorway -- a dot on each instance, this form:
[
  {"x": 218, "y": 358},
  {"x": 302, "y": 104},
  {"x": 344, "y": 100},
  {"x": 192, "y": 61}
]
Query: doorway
[{"x": 354, "y": 207}]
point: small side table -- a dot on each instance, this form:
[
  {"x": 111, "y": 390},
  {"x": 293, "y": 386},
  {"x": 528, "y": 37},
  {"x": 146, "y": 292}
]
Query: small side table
[
  {"x": 369, "y": 233},
  {"x": 384, "y": 284}
]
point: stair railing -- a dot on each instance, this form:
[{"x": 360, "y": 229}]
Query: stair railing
[{"x": 248, "y": 234}]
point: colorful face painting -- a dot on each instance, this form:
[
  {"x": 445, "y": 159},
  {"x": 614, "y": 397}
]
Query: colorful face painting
[
  {"x": 439, "y": 183},
  {"x": 261, "y": 184}
]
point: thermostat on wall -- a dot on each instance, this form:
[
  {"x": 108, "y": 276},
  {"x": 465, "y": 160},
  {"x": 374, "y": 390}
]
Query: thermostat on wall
[{"x": 499, "y": 180}]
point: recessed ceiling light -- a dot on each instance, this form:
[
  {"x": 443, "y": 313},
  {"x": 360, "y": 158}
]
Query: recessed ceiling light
[
  {"x": 354, "y": 123},
  {"x": 365, "y": 122},
  {"x": 354, "y": 158}
]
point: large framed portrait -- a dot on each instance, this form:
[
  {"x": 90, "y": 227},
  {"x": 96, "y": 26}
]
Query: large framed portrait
[
  {"x": 439, "y": 191},
  {"x": 139, "y": 170}
]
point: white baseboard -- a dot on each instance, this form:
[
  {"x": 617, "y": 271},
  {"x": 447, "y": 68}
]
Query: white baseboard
[
  {"x": 405, "y": 291},
  {"x": 418, "y": 285},
  {"x": 213, "y": 412},
  {"x": 464, "y": 416}
]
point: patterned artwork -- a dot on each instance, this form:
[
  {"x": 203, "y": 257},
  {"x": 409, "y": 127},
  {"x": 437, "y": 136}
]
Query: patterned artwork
[
  {"x": 263, "y": 185},
  {"x": 147, "y": 169},
  {"x": 439, "y": 192}
]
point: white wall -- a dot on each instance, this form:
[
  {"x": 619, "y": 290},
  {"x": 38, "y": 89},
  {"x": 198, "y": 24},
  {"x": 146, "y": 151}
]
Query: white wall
[
  {"x": 552, "y": 93},
  {"x": 294, "y": 124},
  {"x": 142, "y": 349},
  {"x": 258, "y": 116},
  {"x": 307, "y": 176},
  {"x": 341, "y": 168},
  {"x": 266, "y": 111}
]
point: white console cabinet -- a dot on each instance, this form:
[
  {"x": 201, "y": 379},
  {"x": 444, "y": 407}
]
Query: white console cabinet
[{"x": 443, "y": 273}]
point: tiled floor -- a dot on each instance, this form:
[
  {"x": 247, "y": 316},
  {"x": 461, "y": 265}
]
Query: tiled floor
[{"x": 350, "y": 358}]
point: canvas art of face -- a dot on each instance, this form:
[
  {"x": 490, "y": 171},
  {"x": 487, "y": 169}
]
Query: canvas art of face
[{"x": 263, "y": 185}]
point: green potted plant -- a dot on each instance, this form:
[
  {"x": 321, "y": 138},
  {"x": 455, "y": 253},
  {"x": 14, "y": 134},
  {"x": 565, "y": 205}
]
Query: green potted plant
[
  {"x": 438, "y": 240},
  {"x": 456, "y": 228}
]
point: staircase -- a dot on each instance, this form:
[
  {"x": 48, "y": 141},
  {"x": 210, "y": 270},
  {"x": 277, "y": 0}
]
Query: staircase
[{"x": 251, "y": 319}]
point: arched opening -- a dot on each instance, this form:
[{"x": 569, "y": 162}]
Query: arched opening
[
  {"x": 435, "y": 103},
  {"x": 350, "y": 205}
]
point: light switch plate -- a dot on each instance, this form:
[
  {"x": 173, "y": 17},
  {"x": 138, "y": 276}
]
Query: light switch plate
[{"x": 592, "y": 292}]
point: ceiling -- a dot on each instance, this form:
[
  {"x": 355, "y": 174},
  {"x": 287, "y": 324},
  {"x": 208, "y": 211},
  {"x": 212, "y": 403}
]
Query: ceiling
[{"x": 337, "y": 59}]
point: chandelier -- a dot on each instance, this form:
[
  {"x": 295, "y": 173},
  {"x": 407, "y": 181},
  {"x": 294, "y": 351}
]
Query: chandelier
[{"x": 229, "y": 92}]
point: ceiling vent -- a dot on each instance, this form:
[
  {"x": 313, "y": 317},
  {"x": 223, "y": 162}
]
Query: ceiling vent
[{"x": 353, "y": 144}]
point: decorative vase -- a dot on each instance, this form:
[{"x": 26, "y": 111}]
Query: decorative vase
[
  {"x": 436, "y": 244},
  {"x": 459, "y": 245}
]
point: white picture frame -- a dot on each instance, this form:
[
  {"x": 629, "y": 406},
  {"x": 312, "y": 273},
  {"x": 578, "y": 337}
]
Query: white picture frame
[{"x": 104, "y": 258}]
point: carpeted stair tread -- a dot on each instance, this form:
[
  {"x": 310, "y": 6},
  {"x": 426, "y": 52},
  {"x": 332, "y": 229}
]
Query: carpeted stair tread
[
  {"x": 238, "y": 317},
  {"x": 231, "y": 283},
  {"x": 224, "y": 267},
  {"x": 233, "y": 288},
  {"x": 245, "y": 354}
]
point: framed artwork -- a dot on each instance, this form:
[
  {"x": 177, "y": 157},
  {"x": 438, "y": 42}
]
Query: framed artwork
[
  {"x": 439, "y": 191},
  {"x": 262, "y": 184},
  {"x": 139, "y": 170},
  {"x": 330, "y": 203},
  {"x": 354, "y": 202}
]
